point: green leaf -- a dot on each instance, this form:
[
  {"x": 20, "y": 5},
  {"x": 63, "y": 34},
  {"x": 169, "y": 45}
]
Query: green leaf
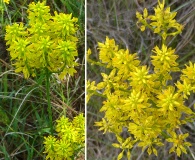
[{"x": 3, "y": 117}]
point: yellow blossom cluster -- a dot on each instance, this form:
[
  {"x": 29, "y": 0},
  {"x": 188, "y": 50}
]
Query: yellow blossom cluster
[
  {"x": 6, "y": 1},
  {"x": 69, "y": 141},
  {"x": 45, "y": 42},
  {"x": 162, "y": 22},
  {"x": 139, "y": 98}
]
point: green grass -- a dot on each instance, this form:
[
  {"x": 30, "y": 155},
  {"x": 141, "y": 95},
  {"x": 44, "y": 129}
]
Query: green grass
[
  {"x": 24, "y": 118},
  {"x": 116, "y": 19}
]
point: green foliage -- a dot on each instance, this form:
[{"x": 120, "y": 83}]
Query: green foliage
[
  {"x": 47, "y": 42},
  {"x": 69, "y": 141},
  {"x": 3, "y": 117},
  {"x": 76, "y": 8},
  {"x": 144, "y": 99}
]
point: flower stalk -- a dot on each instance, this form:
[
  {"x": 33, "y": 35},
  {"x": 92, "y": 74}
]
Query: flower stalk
[{"x": 49, "y": 109}]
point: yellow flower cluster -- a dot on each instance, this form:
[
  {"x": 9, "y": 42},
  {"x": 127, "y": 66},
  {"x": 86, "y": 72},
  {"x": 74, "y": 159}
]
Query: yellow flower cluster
[
  {"x": 161, "y": 22},
  {"x": 70, "y": 140},
  {"x": 45, "y": 42},
  {"x": 138, "y": 97},
  {"x": 6, "y": 1}
]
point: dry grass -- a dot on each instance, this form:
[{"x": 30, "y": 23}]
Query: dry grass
[{"x": 116, "y": 19}]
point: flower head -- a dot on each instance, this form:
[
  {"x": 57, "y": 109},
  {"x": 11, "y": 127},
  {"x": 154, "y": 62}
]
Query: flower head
[
  {"x": 179, "y": 143},
  {"x": 48, "y": 42},
  {"x": 165, "y": 59},
  {"x": 185, "y": 88},
  {"x": 6, "y": 1},
  {"x": 137, "y": 101},
  {"x": 140, "y": 78},
  {"x": 169, "y": 100},
  {"x": 69, "y": 141},
  {"x": 189, "y": 72},
  {"x": 107, "y": 51},
  {"x": 162, "y": 22}
]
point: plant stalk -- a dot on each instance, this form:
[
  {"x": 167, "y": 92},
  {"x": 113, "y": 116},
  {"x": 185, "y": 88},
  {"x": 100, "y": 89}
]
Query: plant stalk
[{"x": 49, "y": 108}]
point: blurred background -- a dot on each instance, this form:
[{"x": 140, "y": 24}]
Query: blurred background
[{"x": 116, "y": 19}]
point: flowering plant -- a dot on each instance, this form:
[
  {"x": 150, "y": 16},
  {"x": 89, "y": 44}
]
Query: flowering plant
[
  {"x": 140, "y": 98},
  {"x": 69, "y": 141},
  {"x": 46, "y": 43}
]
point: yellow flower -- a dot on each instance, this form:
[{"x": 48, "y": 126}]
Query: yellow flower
[
  {"x": 13, "y": 32},
  {"x": 145, "y": 126},
  {"x": 165, "y": 59},
  {"x": 47, "y": 42},
  {"x": 189, "y": 72},
  {"x": 137, "y": 101},
  {"x": 50, "y": 144},
  {"x": 6, "y": 1},
  {"x": 142, "y": 100},
  {"x": 161, "y": 22},
  {"x": 88, "y": 53},
  {"x": 107, "y": 51},
  {"x": 169, "y": 100},
  {"x": 185, "y": 88},
  {"x": 109, "y": 82},
  {"x": 125, "y": 62},
  {"x": 64, "y": 149},
  {"x": 104, "y": 125},
  {"x": 140, "y": 78},
  {"x": 126, "y": 144},
  {"x": 150, "y": 142},
  {"x": 69, "y": 141},
  {"x": 113, "y": 113},
  {"x": 91, "y": 89},
  {"x": 179, "y": 143},
  {"x": 79, "y": 127}
]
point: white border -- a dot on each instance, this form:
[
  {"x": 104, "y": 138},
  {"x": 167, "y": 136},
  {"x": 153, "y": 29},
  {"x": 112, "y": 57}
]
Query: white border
[{"x": 85, "y": 79}]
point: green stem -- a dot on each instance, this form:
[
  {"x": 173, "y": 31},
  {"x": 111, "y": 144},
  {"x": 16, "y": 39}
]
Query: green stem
[
  {"x": 49, "y": 109},
  {"x": 99, "y": 94},
  {"x": 2, "y": 14},
  {"x": 163, "y": 42},
  {"x": 96, "y": 63}
]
